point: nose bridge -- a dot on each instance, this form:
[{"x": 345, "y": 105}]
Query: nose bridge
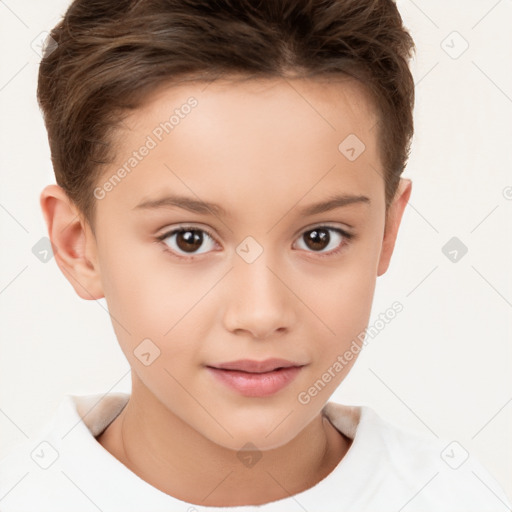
[
  {"x": 258, "y": 300},
  {"x": 258, "y": 277}
]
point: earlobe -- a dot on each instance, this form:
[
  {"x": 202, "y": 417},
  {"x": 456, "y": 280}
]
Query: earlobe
[
  {"x": 396, "y": 211},
  {"x": 74, "y": 245}
]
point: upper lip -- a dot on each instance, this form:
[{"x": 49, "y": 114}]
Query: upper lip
[{"x": 252, "y": 366}]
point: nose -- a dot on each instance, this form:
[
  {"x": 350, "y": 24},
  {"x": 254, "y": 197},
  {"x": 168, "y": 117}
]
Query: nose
[{"x": 259, "y": 300}]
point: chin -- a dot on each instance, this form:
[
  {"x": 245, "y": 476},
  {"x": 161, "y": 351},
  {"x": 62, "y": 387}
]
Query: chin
[
  {"x": 249, "y": 442},
  {"x": 265, "y": 435}
]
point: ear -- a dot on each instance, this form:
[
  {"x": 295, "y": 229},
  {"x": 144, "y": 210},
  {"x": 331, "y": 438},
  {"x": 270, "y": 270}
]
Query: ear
[
  {"x": 73, "y": 242},
  {"x": 396, "y": 210}
]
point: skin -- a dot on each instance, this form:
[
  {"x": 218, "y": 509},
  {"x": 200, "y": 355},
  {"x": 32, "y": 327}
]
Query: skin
[{"x": 262, "y": 150}]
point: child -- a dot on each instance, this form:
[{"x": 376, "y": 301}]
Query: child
[{"x": 270, "y": 138}]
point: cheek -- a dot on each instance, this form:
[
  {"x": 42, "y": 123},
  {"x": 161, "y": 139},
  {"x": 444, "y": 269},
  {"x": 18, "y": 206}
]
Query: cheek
[
  {"x": 151, "y": 298},
  {"x": 344, "y": 306},
  {"x": 346, "y": 295}
]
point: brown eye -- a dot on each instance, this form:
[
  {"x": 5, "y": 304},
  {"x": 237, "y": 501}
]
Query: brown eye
[
  {"x": 317, "y": 239},
  {"x": 325, "y": 240},
  {"x": 187, "y": 240}
]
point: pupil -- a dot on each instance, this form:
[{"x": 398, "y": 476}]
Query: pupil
[
  {"x": 319, "y": 238},
  {"x": 189, "y": 240}
]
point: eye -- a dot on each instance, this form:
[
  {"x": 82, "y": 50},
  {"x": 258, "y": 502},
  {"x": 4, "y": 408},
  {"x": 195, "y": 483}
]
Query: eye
[
  {"x": 186, "y": 240},
  {"x": 320, "y": 240}
]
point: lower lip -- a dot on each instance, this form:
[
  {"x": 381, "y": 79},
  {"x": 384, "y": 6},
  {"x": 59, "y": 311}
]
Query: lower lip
[{"x": 256, "y": 384}]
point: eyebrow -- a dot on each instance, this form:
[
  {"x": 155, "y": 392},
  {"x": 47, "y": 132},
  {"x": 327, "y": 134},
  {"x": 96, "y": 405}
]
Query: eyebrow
[{"x": 204, "y": 207}]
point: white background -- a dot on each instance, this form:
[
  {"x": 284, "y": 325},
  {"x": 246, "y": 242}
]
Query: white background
[{"x": 442, "y": 367}]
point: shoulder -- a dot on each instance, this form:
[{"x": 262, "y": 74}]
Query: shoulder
[
  {"x": 428, "y": 472},
  {"x": 40, "y": 473},
  {"x": 24, "y": 474}
]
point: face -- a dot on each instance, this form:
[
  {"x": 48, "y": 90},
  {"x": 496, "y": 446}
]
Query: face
[{"x": 257, "y": 276}]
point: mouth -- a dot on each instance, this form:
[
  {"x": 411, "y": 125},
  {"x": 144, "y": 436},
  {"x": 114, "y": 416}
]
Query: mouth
[
  {"x": 252, "y": 366},
  {"x": 256, "y": 378}
]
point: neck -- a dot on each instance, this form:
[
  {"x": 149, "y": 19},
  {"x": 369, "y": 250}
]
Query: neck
[{"x": 176, "y": 459}]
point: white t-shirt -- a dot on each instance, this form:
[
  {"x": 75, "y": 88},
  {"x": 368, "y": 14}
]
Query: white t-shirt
[{"x": 63, "y": 468}]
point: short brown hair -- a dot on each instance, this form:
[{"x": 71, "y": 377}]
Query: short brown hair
[{"x": 112, "y": 53}]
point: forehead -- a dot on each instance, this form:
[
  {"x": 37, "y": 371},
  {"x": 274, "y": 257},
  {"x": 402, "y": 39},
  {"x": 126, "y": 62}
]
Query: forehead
[
  {"x": 335, "y": 103},
  {"x": 249, "y": 137}
]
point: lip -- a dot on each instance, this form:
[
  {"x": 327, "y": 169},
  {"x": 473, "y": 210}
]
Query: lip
[
  {"x": 256, "y": 378},
  {"x": 252, "y": 366}
]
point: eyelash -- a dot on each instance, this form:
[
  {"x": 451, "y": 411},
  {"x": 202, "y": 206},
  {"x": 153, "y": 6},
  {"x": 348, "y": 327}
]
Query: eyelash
[{"x": 349, "y": 237}]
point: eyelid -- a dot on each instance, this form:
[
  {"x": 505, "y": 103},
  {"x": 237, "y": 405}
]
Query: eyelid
[
  {"x": 345, "y": 227},
  {"x": 168, "y": 231},
  {"x": 347, "y": 234},
  {"x": 348, "y": 238}
]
